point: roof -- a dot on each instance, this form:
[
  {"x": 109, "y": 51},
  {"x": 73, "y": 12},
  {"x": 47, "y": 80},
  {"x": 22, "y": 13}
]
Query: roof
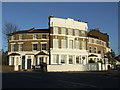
[
  {"x": 32, "y": 30},
  {"x": 41, "y": 53},
  {"x": 92, "y": 55},
  {"x": 14, "y": 54}
]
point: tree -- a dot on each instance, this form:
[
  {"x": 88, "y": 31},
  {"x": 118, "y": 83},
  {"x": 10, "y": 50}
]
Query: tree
[
  {"x": 111, "y": 57},
  {"x": 7, "y": 29}
]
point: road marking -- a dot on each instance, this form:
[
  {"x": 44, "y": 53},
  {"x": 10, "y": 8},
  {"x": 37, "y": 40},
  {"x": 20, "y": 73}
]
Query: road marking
[{"x": 75, "y": 83}]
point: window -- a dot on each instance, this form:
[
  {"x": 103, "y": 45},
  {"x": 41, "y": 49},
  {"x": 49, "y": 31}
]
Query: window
[
  {"x": 56, "y": 59},
  {"x": 76, "y": 32},
  {"x": 20, "y": 47},
  {"x": 83, "y": 33},
  {"x": 71, "y": 44},
  {"x": 13, "y": 37},
  {"x": 55, "y": 43},
  {"x": 95, "y": 41},
  {"x": 77, "y": 44},
  {"x": 21, "y": 37},
  {"x": 17, "y": 58},
  {"x": 63, "y": 58},
  {"x": 55, "y": 30},
  {"x": 63, "y": 31},
  {"x": 35, "y": 36},
  {"x": 13, "y": 47},
  {"x": 43, "y": 36},
  {"x": 77, "y": 59},
  {"x": 95, "y": 50},
  {"x": 12, "y": 60},
  {"x": 34, "y": 46},
  {"x": 63, "y": 43},
  {"x": 90, "y": 40},
  {"x": 70, "y": 59},
  {"x": 83, "y": 45},
  {"x": 90, "y": 49},
  {"x": 70, "y": 31},
  {"x": 43, "y": 46}
]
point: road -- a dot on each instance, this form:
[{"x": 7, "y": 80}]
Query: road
[{"x": 60, "y": 80}]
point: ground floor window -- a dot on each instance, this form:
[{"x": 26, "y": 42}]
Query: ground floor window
[
  {"x": 77, "y": 59},
  {"x": 55, "y": 58},
  {"x": 17, "y": 58},
  {"x": 70, "y": 59},
  {"x": 63, "y": 59},
  {"x": 12, "y": 60}
]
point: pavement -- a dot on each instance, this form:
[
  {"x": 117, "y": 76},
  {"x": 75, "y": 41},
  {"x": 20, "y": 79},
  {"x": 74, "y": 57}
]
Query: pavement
[{"x": 93, "y": 79}]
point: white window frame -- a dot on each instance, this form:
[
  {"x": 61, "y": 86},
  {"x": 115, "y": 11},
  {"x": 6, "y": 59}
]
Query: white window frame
[
  {"x": 70, "y": 31},
  {"x": 72, "y": 59},
  {"x": 76, "y": 32},
  {"x": 44, "y": 36},
  {"x": 13, "y": 37},
  {"x": 70, "y": 44},
  {"x": 33, "y": 46},
  {"x": 35, "y": 36},
  {"x": 20, "y": 47},
  {"x": 42, "y": 46},
  {"x": 63, "y": 29},
  {"x": 77, "y": 42},
  {"x": 55, "y": 43},
  {"x": 83, "y": 45},
  {"x": 55, "y": 58},
  {"x": 13, "y": 44},
  {"x": 83, "y": 33},
  {"x": 64, "y": 42},
  {"x": 55, "y": 30},
  {"x": 63, "y": 59},
  {"x": 21, "y": 37}
]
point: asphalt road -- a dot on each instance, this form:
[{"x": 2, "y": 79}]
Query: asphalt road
[{"x": 60, "y": 80}]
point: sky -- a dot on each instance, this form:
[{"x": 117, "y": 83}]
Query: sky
[{"x": 102, "y": 15}]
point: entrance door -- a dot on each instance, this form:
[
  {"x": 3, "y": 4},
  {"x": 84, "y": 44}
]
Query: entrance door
[
  {"x": 23, "y": 62},
  {"x": 28, "y": 63},
  {"x": 40, "y": 60}
]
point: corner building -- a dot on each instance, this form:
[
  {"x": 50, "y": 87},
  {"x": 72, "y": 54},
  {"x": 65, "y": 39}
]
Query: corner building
[{"x": 65, "y": 46}]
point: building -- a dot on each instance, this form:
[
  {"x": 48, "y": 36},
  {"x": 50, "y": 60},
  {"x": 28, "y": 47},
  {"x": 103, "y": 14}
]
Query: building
[{"x": 65, "y": 46}]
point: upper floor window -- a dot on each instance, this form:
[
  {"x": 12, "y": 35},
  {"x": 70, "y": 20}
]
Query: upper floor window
[
  {"x": 70, "y": 31},
  {"x": 63, "y": 43},
  {"x": 43, "y": 36},
  {"x": 90, "y": 40},
  {"x": 83, "y": 45},
  {"x": 90, "y": 49},
  {"x": 12, "y": 47},
  {"x": 13, "y": 37},
  {"x": 20, "y": 47},
  {"x": 95, "y": 50},
  {"x": 21, "y": 37},
  {"x": 43, "y": 46},
  {"x": 83, "y": 33},
  {"x": 63, "y": 31},
  {"x": 34, "y": 46},
  {"x": 77, "y": 44},
  {"x": 71, "y": 44},
  {"x": 95, "y": 41},
  {"x": 55, "y": 43},
  {"x": 35, "y": 36},
  {"x": 76, "y": 32},
  {"x": 55, "y": 30}
]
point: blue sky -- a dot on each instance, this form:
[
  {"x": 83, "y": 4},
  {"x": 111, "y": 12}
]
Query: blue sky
[{"x": 35, "y": 14}]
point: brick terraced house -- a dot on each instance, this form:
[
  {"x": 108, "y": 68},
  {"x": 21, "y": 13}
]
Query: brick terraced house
[{"x": 65, "y": 46}]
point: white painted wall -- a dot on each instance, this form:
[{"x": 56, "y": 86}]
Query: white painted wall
[{"x": 68, "y": 23}]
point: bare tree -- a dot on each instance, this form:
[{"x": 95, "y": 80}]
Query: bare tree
[{"x": 7, "y": 29}]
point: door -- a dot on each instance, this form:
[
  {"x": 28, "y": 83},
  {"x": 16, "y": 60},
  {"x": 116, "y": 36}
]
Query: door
[
  {"x": 23, "y": 62},
  {"x": 28, "y": 63},
  {"x": 40, "y": 60}
]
